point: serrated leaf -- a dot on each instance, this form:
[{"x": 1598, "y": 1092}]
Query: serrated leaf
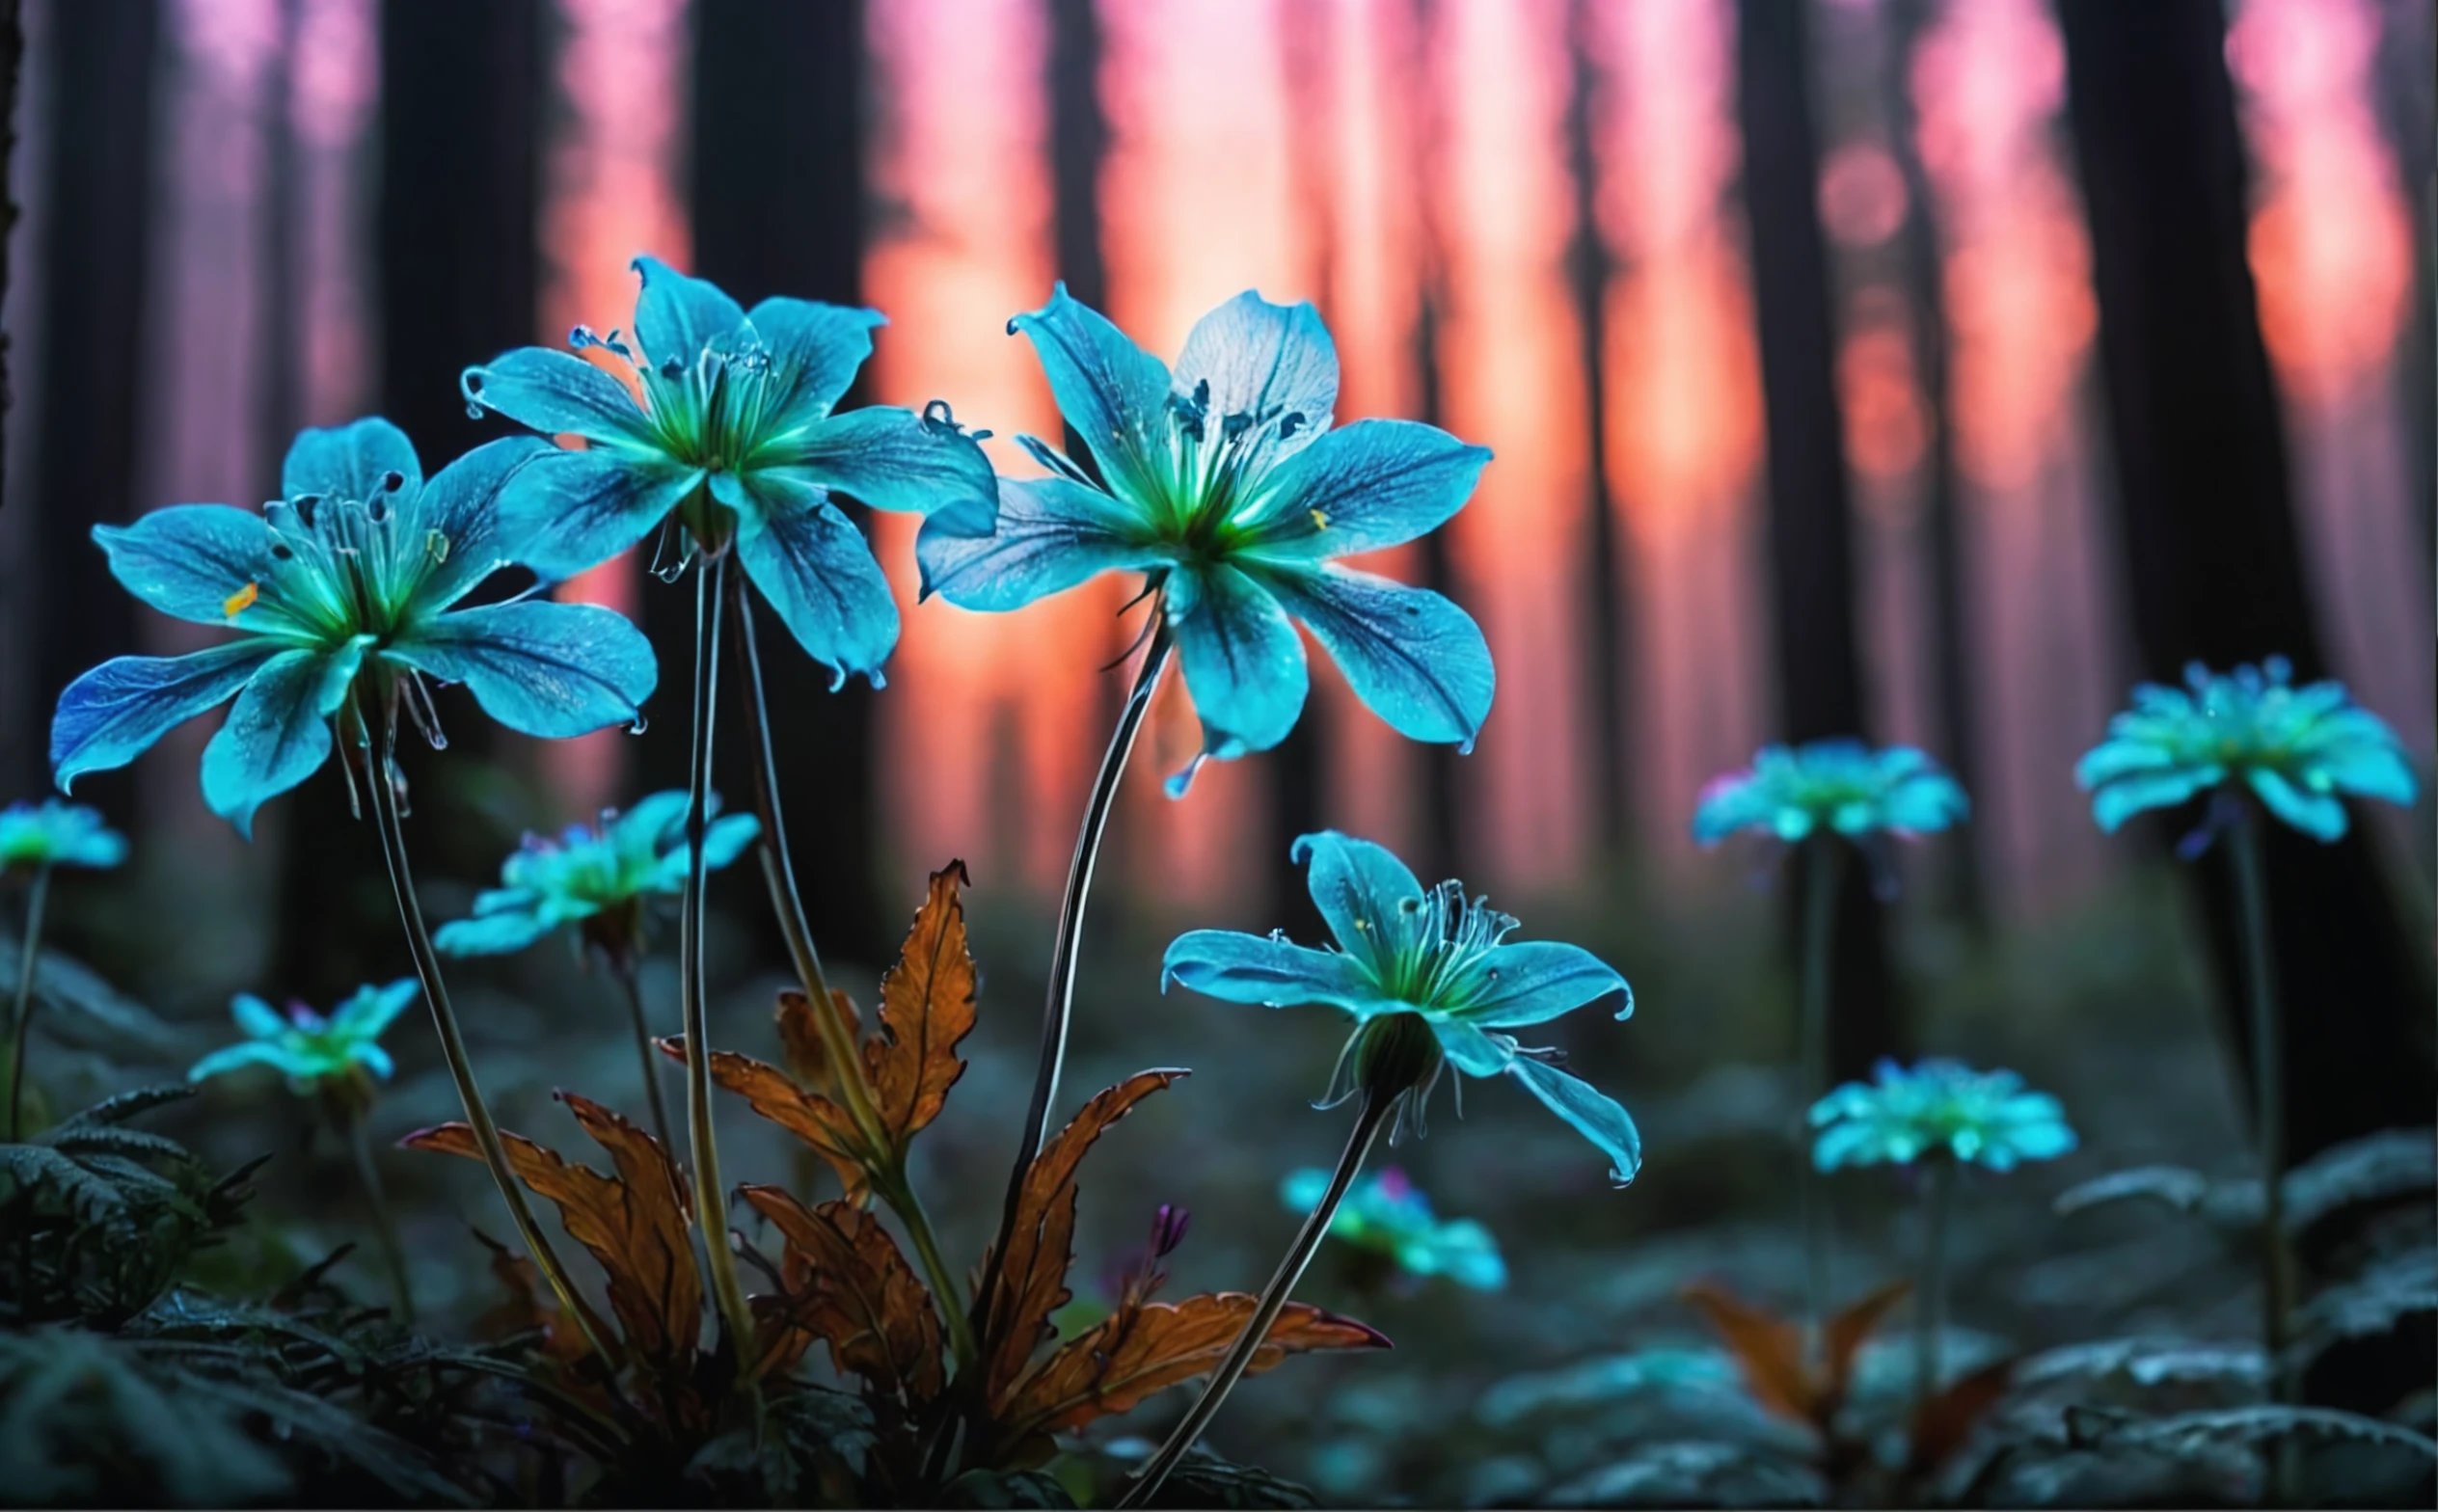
[
  {"x": 1693, "y": 1472},
  {"x": 2392, "y": 1288},
  {"x": 2389, "y": 1164},
  {"x": 126, "y": 1144},
  {"x": 807, "y": 1114},
  {"x": 91, "y": 1196},
  {"x": 1847, "y": 1331},
  {"x": 2179, "y": 1187},
  {"x": 849, "y": 1287},
  {"x": 1769, "y": 1349},
  {"x": 122, "y": 1106},
  {"x": 801, "y": 1043},
  {"x": 526, "y": 1307},
  {"x": 1940, "y": 1426},
  {"x": 2258, "y": 1424},
  {"x": 926, "y": 1007},
  {"x": 1203, "y": 1479},
  {"x": 2146, "y": 1363},
  {"x": 81, "y": 1008}
]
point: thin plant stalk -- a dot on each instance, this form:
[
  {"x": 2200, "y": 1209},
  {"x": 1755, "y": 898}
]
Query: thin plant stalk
[
  {"x": 778, "y": 870},
  {"x": 381, "y": 780},
  {"x": 1821, "y": 874},
  {"x": 710, "y": 1193},
  {"x": 2268, "y": 1123},
  {"x": 30, "y": 947},
  {"x": 1930, "y": 1297},
  {"x": 1369, "y": 1124},
  {"x": 622, "y": 965},
  {"x": 385, "y": 1228}
]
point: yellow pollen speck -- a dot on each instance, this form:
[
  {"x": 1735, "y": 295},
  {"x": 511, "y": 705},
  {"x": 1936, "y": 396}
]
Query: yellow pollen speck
[
  {"x": 1362, "y": 924},
  {"x": 1321, "y": 521},
  {"x": 242, "y": 600}
]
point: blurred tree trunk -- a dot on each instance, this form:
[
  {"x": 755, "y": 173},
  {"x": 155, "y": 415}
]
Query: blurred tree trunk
[
  {"x": 12, "y": 74},
  {"x": 2403, "y": 89},
  {"x": 1439, "y": 848},
  {"x": 2209, "y": 536},
  {"x": 97, "y": 197},
  {"x": 779, "y": 210},
  {"x": 1950, "y": 629},
  {"x": 1810, "y": 549},
  {"x": 277, "y": 407}
]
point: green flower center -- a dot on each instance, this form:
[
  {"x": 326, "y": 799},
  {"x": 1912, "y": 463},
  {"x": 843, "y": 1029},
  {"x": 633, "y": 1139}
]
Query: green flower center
[
  {"x": 342, "y": 566},
  {"x": 1437, "y": 946},
  {"x": 1216, "y": 466}
]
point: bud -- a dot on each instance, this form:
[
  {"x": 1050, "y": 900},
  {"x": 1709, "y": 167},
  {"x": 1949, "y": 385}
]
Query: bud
[{"x": 1397, "y": 1062}]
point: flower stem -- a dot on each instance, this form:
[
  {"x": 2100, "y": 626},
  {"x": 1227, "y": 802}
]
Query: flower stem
[
  {"x": 1155, "y": 1470},
  {"x": 622, "y": 965},
  {"x": 386, "y": 818},
  {"x": 2268, "y": 1124},
  {"x": 1821, "y": 875},
  {"x": 778, "y": 870},
  {"x": 385, "y": 1228},
  {"x": 1930, "y": 1301},
  {"x": 30, "y": 949},
  {"x": 709, "y": 1194}
]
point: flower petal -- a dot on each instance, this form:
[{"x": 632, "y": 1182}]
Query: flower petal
[
  {"x": 538, "y": 667},
  {"x": 2370, "y": 765},
  {"x": 458, "y": 525},
  {"x": 570, "y": 511},
  {"x": 1413, "y": 657},
  {"x": 278, "y": 733},
  {"x": 235, "y": 1057},
  {"x": 675, "y": 317},
  {"x": 372, "y": 1058},
  {"x": 351, "y": 461},
  {"x": 373, "y": 1009},
  {"x": 1110, "y": 391},
  {"x": 113, "y": 713},
  {"x": 258, "y": 1019},
  {"x": 1242, "y": 660},
  {"x": 725, "y": 839},
  {"x": 1595, "y": 1115},
  {"x": 188, "y": 561},
  {"x": 1536, "y": 981},
  {"x": 1051, "y": 535},
  {"x": 1369, "y": 485},
  {"x": 817, "y": 570},
  {"x": 2318, "y": 815},
  {"x": 816, "y": 350},
  {"x": 1368, "y": 898},
  {"x": 889, "y": 458},
  {"x": 1249, "y": 968},
  {"x": 555, "y": 394},
  {"x": 1470, "y": 1050},
  {"x": 1264, "y": 360},
  {"x": 2120, "y": 801},
  {"x": 500, "y": 933}
]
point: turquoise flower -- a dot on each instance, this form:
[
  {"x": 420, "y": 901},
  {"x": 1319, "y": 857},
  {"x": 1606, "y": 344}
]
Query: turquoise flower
[
  {"x": 305, "y": 1047},
  {"x": 35, "y": 836},
  {"x": 1225, "y": 485},
  {"x": 730, "y": 427},
  {"x": 1938, "y": 1107},
  {"x": 2296, "y": 748},
  {"x": 1387, "y": 1215},
  {"x": 1408, "y": 955},
  {"x": 1839, "y": 785},
  {"x": 596, "y": 875},
  {"x": 351, "y": 578}
]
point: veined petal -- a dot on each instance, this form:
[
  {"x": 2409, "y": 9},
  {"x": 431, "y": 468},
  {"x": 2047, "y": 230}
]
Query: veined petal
[
  {"x": 500, "y": 933},
  {"x": 816, "y": 350},
  {"x": 538, "y": 667},
  {"x": 351, "y": 461},
  {"x": 2318, "y": 815},
  {"x": 1368, "y": 898},
  {"x": 889, "y": 458},
  {"x": 192, "y": 561},
  {"x": 1471, "y": 1051},
  {"x": 1264, "y": 360},
  {"x": 1249, "y": 968},
  {"x": 1052, "y": 533},
  {"x": 1535, "y": 981},
  {"x": 1373, "y": 484},
  {"x": 258, "y": 1019},
  {"x": 1416, "y": 659},
  {"x": 373, "y": 1009},
  {"x": 570, "y": 511},
  {"x": 458, "y": 523},
  {"x": 1110, "y": 391},
  {"x": 1595, "y": 1116},
  {"x": 278, "y": 733},
  {"x": 2120, "y": 801},
  {"x": 1242, "y": 660},
  {"x": 555, "y": 394},
  {"x": 675, "y": 317},
  {"x": 113, "y": 713},
  {"x": 235, "y": 1057},
  {"x": 817, "y": 570}
]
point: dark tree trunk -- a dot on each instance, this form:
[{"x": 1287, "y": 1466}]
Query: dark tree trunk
[
  {"x": 779, "y": 210},
  {"x": 2209, "y": 538},
  {"x": 1810, "y": 546},
  {"x": 1079, "y": 146},
  {"x": 97, "y": 197},
  {"x": 12, "y": 72},
  {"x": 1439, "y": 849},
  {"x": 2404, "y": 90},
  {"x": 279, "y": 410},
  {"x": 1950, "y": 631}
]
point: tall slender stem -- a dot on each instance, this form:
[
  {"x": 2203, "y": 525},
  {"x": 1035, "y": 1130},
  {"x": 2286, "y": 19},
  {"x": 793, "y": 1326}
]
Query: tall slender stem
[
  {"x": 1930, "y": 1301},
  {"x": 622, "y": 965},
  {"x": 382, "y": 781},
  {"x": 385, "y": 1228},
  {"x": 1821, "y": 874},
  {"x": 2268, "y": 1124},
  {"x": 30, "y": 947},
  {"x": 1155, "y": 1470},
  {"x": 778, "y": 870},
  {"x": 711, "y": 1195}
]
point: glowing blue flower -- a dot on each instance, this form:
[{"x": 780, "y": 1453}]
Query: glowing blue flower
[
  {"x": 2296, "y": 748},
  {"x": 596, "y": 875},
  {"x": 1407, "y": 953},
  {"x": 1388, "y": 1214},
  {"x": 308, "y": 1048},
  {"x": 1225, "y": 485},
  {"x": 1840, "y": 785},
  {"x": 52, "y": 833},
  {"x": 1939, "y": 1106},
  {"x": 729, "y": 427},
  {"x": 352, "y": 576}
]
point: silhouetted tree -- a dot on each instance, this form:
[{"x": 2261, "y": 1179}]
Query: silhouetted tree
[
  {"x": 12, "y": 72},
  {"x": 2403, "y": 90},
  {"x": 1440, "y": 836}
]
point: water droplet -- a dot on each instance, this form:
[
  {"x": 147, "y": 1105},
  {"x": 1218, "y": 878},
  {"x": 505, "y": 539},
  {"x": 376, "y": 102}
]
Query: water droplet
[
  {"x": 877, "y": 678},
  {"x": 474, "y": 411},
  {"x": 641, "y": 724}
]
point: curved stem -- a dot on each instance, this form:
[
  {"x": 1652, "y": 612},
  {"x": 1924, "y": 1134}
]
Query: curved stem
[
  {"x": 1821, "y": 875},
  {"x": 1155, "y": 1470},
  {"x": 1930, "y": 1301},
  {"x": 778, "y": 870},
  {"x": 709, "y": 1194},
  {"x": 622, "y": 965},
  {"x": 2268, "y": 1124},
  {"x": 385, "y": 1228},
  {"x": 386, "y": 818},
  {"x": 30, "y": 947}
]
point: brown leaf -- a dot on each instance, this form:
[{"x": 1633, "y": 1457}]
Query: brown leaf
[
  {"x": 809, "y": 1116},
  {"x": 526, "y": 1307},
  {"x": 799, "y": 1036},
  {"x": 1032, "y": 1276},
  {"x": 1843, "y": 1337},
  {"x": 927, "y": 1007},
  {"x": 1769, "y": 1349},
  {"x": 1138, "y": 1351},
  {"x": 1942, "y": 1423},
  {"x": 849, "y": 1287},
  {"x": 634, "y": 1224}
]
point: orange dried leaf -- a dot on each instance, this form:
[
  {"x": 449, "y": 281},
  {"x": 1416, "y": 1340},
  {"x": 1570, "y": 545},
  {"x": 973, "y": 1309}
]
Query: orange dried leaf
[
  {"x": 849, "y": 1287},
  {"x": 1946, "y": 1421},
  {"x": 801, "y": 1046},
  {"x": 1032, "y": 1276},
  {"x": 927, "y": 1007},
  {"x": 526, "y": 1307},
  {"x": 809, "y": 1116},
  {"x": 1844, "y": 1336},
  {"x": 1769, "y": 1349}
]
